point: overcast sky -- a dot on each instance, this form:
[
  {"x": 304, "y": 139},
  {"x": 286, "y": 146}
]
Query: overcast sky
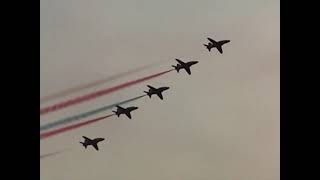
[{"x": 222, "y": 122}]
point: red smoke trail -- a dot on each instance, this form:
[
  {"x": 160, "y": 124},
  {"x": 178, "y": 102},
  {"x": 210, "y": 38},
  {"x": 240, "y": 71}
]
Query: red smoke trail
[
  {"x": 95, "y": 83},
  {"x": 74, "y": 126},
  {"x": 51, "y": 154},
  {"x": 97, "y": 94}
]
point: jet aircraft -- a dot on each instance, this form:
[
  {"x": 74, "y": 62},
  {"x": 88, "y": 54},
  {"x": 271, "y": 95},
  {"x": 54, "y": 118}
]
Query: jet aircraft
[
  {"x": 126, "y": 111},
  {"x": 157, "y": 91},
  {"x": 215, "y": 44},
  {"x": 184, "y": 65},
  {"x": 92, "y": 142}
]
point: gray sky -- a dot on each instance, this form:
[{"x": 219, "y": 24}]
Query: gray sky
[{"x": 222, "y": 122}]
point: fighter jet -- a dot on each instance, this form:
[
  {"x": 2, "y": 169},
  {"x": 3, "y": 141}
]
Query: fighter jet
[
  {"x": 93, "y": 142},
  {"x": 125, "y": 111},
  {"x": 214, "y": 44},
  {"x": 184, "y": 65},
  {"x": 157, "y": 91}
]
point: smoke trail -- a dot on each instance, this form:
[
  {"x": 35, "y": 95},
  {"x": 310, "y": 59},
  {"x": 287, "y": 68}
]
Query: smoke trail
[
  {"x": 95, "y": 83},
  {"x": 50, "y": 154},
  {"x": 86, "y": 114},
  {"x": 74, "y": 126},
  {"x": 97, "y": 93}
]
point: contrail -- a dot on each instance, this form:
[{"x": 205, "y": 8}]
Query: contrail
[
  {"x": 50, "y": 154},
  {"x": 74, "y": 126},
  {"x": 86, "y": 114},
  {"x": 95, "y": 83},
  {"x": 96, "y": 94}
]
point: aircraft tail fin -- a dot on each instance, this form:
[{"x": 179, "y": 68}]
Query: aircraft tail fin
[
  {"x": 148, "y": 93},
  {"x": 84, "y": 144},
  {"x": 208, "y": 47},
  {"x": 176, "y": 68},
  {"x": 116, "y": 112}
]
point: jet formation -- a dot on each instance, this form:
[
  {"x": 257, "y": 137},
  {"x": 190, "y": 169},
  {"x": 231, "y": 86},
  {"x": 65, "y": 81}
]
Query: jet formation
[{"x": 157, "y": 91}]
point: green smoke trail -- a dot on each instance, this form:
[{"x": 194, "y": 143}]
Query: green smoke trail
[{"x": 86, "y": 114}]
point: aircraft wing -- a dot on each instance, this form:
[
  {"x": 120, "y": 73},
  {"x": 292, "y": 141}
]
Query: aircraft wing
[
  {"x": 220, "y": 49},
  {"x": 96, "y": 146},
  {"x": 179, "y": 61},
  {"x": 151, "y": 87},
  {"x": 188, "y": 70},
  {"x": 128, "y": 115},
  {"x": 224, "y": 42},
  {"x": 160, "y": 96},
  {"x": 87, "y": 139},
  {"x": 119, "y": 107},
  {"x": 213, "y": 41}
]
